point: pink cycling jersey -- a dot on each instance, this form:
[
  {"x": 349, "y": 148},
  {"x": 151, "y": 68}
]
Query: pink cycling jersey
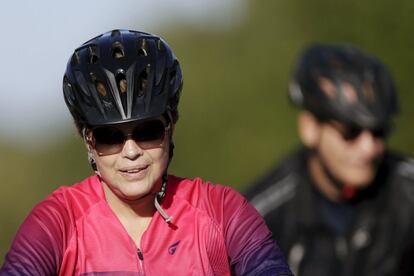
[{"x": 214, "y": 232}]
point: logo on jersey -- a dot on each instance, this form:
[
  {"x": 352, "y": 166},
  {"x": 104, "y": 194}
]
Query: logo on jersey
[{"x": 173, "y": 247}]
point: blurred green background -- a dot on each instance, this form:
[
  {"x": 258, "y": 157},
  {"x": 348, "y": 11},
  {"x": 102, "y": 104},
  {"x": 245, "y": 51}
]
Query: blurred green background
[{"x": 235, "y": 117}]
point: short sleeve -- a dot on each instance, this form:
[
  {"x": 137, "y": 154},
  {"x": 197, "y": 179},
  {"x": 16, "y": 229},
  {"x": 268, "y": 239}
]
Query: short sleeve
[
  {"x": 38, "y": 245},
  {"x": 251, "y": 248}
]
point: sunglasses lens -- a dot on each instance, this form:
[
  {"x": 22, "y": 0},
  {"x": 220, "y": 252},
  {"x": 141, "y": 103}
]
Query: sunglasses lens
[
  {"x": 108, "y": 140},
  {"x": 149, "y": 134},
  {"x": 381, "y": 132},
  {"x": 351, "y": 133}
]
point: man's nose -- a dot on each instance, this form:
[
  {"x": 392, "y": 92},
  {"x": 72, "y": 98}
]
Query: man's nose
[{"x": 370, "y": 145}]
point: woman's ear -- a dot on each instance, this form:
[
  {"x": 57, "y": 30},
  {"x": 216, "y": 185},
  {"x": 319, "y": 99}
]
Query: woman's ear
[
  {"x": 88, "y": 143},
  {"x": 309, "y": 129}
]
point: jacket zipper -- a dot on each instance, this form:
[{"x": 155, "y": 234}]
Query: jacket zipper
[
  {"x": 296, "y": 254},
  {"x": 140, "y": 260}
]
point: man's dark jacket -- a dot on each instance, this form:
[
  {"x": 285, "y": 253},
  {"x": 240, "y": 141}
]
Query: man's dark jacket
[{"x": 376, "y": 228}]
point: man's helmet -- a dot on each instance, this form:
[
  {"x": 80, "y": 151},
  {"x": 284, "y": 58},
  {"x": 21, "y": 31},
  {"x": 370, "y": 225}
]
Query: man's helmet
[
  {"x": 344, "y": 84},
  {"x": 122, "y": 76}
]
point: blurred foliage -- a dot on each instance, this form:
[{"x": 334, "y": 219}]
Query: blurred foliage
[{"x": 235, "y": 118}]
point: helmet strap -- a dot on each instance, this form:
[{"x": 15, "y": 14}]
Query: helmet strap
[
  {"x": 347, "y": 192},
  {"x": 160, "y": 195}
]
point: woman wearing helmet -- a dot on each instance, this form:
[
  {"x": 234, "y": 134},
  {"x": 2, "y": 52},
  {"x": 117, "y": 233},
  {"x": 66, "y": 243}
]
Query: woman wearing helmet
[{"x": 132, "y": 218}]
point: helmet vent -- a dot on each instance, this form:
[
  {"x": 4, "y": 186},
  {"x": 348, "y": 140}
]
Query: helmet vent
[
  {"x": 67, "y": 89},
  {"x": 328, "y": 87},
  {"x": 93, "y": 55},
  {"x": 160, "y": 46},
  {"x": 349, "y": 92},
  {"x": 173, "y": 75},
  {"x": 115, "y": 33},
  {"x": 368, "y": 91},
  {"x": 75, "y": 59},
  {"x": 121, "y": 82},
  {"x": 117, "y": 50},
  {"x": 143, "y": 50},
  {"x": 100, "y": 87},
  {"x": 143, "y": 81}
]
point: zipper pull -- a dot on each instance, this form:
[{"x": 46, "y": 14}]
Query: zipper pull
[{"x": 140, "y": 256}]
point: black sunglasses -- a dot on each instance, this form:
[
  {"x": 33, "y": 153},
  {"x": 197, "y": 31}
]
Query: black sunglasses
[
  {"x": 108, "y": 140},
  {"x": 350, "y": 133}
]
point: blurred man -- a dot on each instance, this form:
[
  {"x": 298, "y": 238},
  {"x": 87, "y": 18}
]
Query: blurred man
[{"x": 343, "y": 204}]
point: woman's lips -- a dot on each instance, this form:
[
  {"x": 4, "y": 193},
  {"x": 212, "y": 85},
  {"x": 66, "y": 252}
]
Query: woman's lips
[{"x": 134, "y": 173}]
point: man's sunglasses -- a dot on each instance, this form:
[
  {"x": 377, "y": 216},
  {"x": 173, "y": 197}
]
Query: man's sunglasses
[
  {"x": 350, "y": 133},
  {"x": 108, "y": 140}
]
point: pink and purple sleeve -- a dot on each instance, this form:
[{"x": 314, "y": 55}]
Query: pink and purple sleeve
[
  {"x": 252, "y": 249},
  {"x": 37, "y": 247}
]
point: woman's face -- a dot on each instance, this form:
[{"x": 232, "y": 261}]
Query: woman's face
[{"x": 131, "y": 158}]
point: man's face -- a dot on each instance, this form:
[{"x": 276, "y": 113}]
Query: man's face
[{"x": 350, "y": 155}]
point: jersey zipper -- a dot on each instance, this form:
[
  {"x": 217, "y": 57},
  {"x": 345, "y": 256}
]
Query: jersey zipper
[{"x": 140, "y": 260}]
